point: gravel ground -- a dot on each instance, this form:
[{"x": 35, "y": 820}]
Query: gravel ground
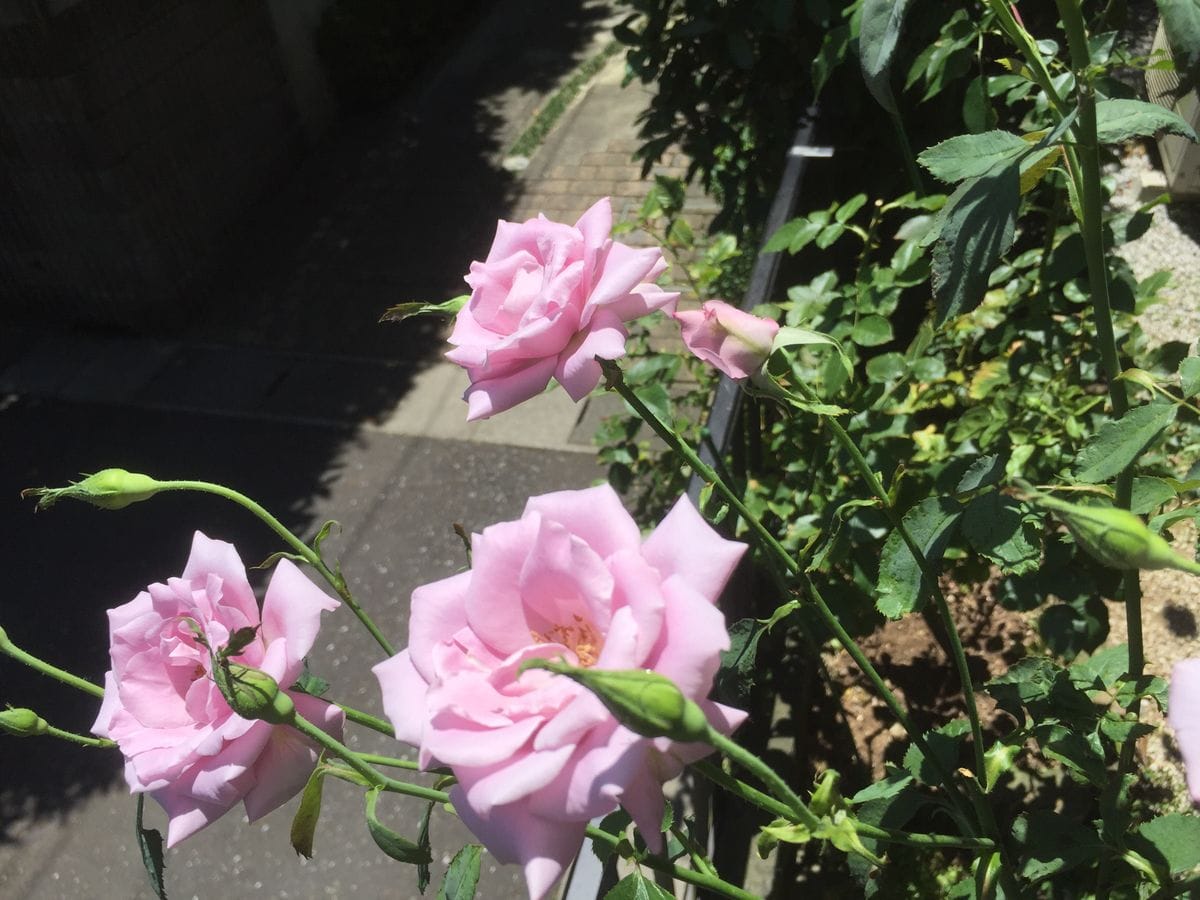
[{"x": 1171, "y": 599}]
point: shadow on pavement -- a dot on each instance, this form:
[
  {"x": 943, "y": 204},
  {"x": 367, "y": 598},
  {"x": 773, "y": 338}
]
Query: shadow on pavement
[{"x": 392, "y": 206}]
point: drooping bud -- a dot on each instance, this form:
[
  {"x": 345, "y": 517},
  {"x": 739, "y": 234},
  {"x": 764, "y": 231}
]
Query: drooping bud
[
  {"x": 253, "y": 694},
  {"x": 22, "y": 723},
  {"x": 107, "y": 489},
  {"x": 1116, "y": 537},
  {"x": 645, "y": 702}
]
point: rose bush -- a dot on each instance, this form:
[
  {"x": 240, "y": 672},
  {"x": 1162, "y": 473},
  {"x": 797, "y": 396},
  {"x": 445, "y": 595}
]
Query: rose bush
[
  {"x": 731, "y": 341},
  {"x": 550, "y": 298},
  {"x": 537, "y": 755},
  {"x": 182, "y": 743}
]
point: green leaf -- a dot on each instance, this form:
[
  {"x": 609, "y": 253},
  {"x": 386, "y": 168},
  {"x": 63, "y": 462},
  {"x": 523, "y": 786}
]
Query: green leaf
[
  {"x": 895, "y": 782},
  {"x": 793, "y": 337},
  {"x": 1050, "y": 843},
  {"x": 879, "y": 33},
  {"x": 1181, "y": 21},
  {"x": 1189, "y": 376},
  {"x": 978, "y": 226},
  {"x": 944, "y": 749},
  {"x": 395, "y": 846},
  {"x": 324, "y": 533},
  {"x": 402, "y": 311},
  {"x": 886, "y": 367},
  {"x": 1121, "y": 441},
  {"x": 996, "y": 761},
  {"x": 310, "y": 684},
  {"x": 150, "y": 843},
  {"x": 871, "y": 331},
  {"x": 1120, "y": 120},
  {"x": 1172, "y": 841},
  {"x": 637, "y": 887},
  {"x": 986, "y": 470},
  {"x": 615, "y": 824},
  {"x": 901, "y": 588},
  {"x": 846, "y": 211},
  {"x": 973, "y": 155},
  {"x": 463, "y": 875},
  {"x": 1149, "y": 494},
  {"x": 304, "y": 825},
  {"x": 657, "y": 400},
  {"x": 423, "y": 842},
  {"x": 735, "y": 679},
  {"x": 1001, "y": 529}
]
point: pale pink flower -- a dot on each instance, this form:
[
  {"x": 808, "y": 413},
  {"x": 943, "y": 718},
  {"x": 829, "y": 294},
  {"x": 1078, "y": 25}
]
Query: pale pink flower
[
  {"x": 548, "y": 300},
  {"x": 731, "y": 341},
  {"x": 1184, "y": 705},
  {"x": 538, "y": 755},
  {"x": 182, "y": 743}
]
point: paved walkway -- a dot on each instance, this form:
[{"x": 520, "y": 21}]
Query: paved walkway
[{"x": 284, "y": 385}]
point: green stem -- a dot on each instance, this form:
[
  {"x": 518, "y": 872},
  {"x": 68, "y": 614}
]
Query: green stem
[
  {"x": 356, "y": 762},
  {"x": 696, "y": 853},
  {"x": 82, "y": 739},
  {"x": 798, "y": 811},
  {"x": 700, "y": 879},
  {"x": 311, "y": 556},
  {"x": 778, "y": 558},
  {"x": 377, "y": 760},
  {"x": 358, "y": 717},
  {"x": 928, "y": 572},
  {"x": 8, "y": 648},
  {"x": 916, "y": 182},
  {"x": 1087, "y": 154},
  {"x": 769, "y": 804}
]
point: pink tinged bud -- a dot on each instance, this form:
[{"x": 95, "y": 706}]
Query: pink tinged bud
[{"x": 731, "y": 341}]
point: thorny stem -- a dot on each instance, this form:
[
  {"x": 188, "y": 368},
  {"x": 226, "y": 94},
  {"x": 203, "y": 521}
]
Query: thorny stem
[
  {"x": 8, "y": 648},
  {"x": 311, "y": 556},
  {"x": 778, "y": 558},
  {"x": 700, "y": 879},
  {"x": 928, "y": 572}
]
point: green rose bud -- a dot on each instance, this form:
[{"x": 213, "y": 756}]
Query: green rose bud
[
  {"x": 1116, "y": 537},
  {"x": 256, "y": 695},
  {"x": 645, "y": 702},
  {"x": 826, "y": 798},
  {"x": 107, "y": 489},
  {"x": 22, "y": 722}
]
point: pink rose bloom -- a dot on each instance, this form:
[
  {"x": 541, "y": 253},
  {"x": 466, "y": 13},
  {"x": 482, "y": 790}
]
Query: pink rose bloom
[
  {"x": 182, "y": 742},
  {"x": 549, "y": 299},
  {"x": 1183, "y": 702},
  {"x": 729, "y": 340},
  {"x": 537, "y": 756}
]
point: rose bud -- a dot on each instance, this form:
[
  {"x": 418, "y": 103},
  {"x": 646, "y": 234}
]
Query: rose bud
[
  {"x": 22, "y": 723},
  {"x": 107, "y": 489},
  {"x": 731, "y": 341},
  {"x": 645, "y": 702},
  {"x": 254, "y": 694}
]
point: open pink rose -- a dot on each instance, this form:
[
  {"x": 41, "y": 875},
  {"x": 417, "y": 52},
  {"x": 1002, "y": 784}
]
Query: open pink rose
[
  {"x": 549, "y": 299},
  {"x": 729, "y": 340},
  {"x": 1184, "y": 716},
  {"x": 537, "y": 755},
  {"x": 182, "y": 742}
]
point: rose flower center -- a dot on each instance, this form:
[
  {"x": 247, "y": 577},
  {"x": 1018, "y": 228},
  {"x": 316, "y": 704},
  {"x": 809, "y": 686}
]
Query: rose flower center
[{"x": 581, "y": 636}]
